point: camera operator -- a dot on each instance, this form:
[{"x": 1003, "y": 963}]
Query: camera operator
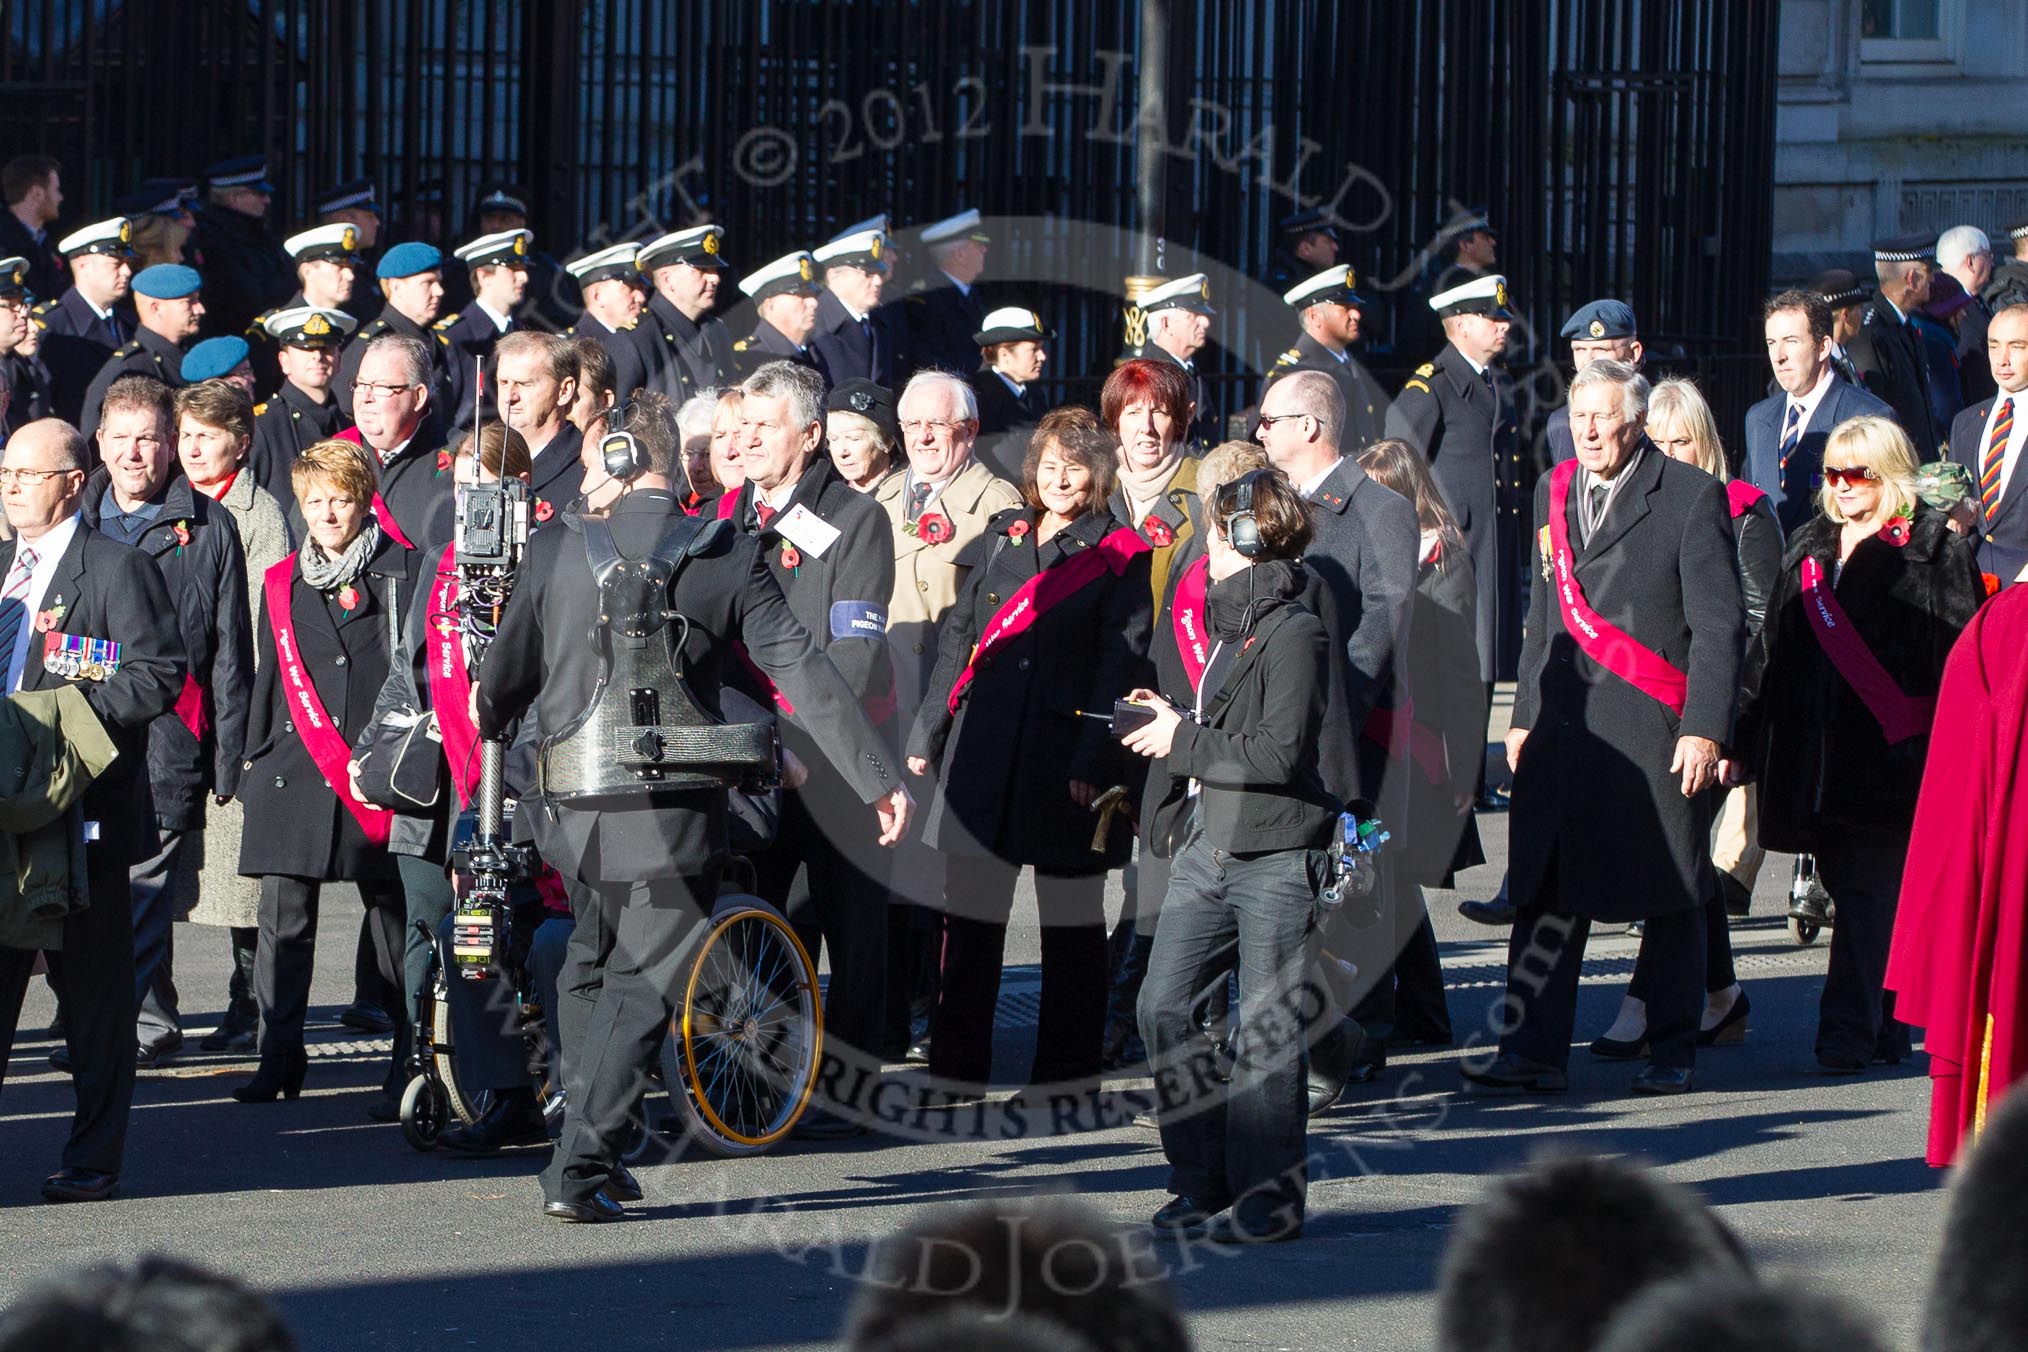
[
  {"x": 1247, "y": 822},
  {"x": 641, "y": 864}
]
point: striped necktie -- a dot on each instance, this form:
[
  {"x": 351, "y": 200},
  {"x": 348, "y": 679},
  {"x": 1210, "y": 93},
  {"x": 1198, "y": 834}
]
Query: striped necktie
[
  {"x": 1791, "y": 435},
  {"x": 1996, "y": 456},
  {"x": 14, "y": 613}
]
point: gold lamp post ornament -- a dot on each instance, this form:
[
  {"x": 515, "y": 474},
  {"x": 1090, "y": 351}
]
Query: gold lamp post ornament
[{"x": 1136, "y": 319}]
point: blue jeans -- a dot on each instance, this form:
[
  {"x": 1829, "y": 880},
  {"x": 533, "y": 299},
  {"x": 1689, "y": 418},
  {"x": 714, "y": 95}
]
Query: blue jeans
[{"x": 1257, "y": 912}]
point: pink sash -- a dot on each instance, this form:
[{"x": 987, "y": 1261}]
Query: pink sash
[
  {"x": 320, "y": 735},
  {"x": 387, "y": 522},
  {"x": 1043, "y": 592},
  {"x": 450, "y": 682},
  {"x": 1406, "y": 739},
  {"x": 190, "y": 709},
  {"x": 728, "y": 503},
  {"x": 1901, "y": 715},
  {"x": 1740, "y": 496},
  {"x": 1602, "y": 641},
  {"x": 1188, "y": 615}
]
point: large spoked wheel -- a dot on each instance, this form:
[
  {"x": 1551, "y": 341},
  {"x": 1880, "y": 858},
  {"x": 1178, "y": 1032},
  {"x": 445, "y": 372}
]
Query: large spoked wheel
[
  {"x": 741, "y": 1057},
  {"x": 425, "y": 1112},
  {"x": 466, "y": 1104}
]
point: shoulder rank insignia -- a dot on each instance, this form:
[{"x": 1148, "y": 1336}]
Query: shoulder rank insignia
[
  {"x": 742, "y": 344},
  {"x": 1415, "y": 385},
  {"x": 446, "y": 321},
  {"x": 1292, "y": 356},
  {"x": 43, "y": 308},
  {"x": 1426, "y": 370},
  {"x": 260, "y": 408}
]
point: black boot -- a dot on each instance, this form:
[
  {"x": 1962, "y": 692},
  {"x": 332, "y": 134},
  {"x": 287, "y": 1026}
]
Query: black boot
[
  {"x": 237, "y": 1030},
  {"x": 512, "y": 1119}
]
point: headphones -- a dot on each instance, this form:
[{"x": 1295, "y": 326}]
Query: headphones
[
  {"x": 1241, "y": 530},
  {"x": 620, "y": 452}
]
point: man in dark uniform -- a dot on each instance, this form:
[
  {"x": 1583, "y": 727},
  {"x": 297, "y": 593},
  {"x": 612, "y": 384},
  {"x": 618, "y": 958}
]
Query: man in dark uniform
[
  {"x": 169, "y": 304},
  {"x": 2010, "y": 271},
  {"x": 1306, "y": 244},
  {"x": 247, "y": 272},
  {"x": 1847, "y": 299},
  {"x": 1466, "y": 249},
  {"x": 831, "y": 550},
  {"x": 1965, "y": 253},
  {"x": 18, "y": 368},
  {"x": 412, "y": 282},
  {"x": 643, "y": 877},
  {"x": 784, "y": 293},
  {"x": 498, "y": 265},
  {"x": 852, "y": 333},
  {"x": 1888, "y": 350},
  {"x": 1331, "y": 310},
  {"x": 84, "y": 327},
  {"x": 89, "y": 588},
  {"x": 355, "y": 203},
  {"x": 327, "y": 263},
  {"x": 548, "y": 301},
  {"x": 689, "y": 350},
  {"x": 1458, "y": 410},
  {"x": 1627, "y": 692},
  {"x": 1178, "y": 316},
  {"x": 610, "y": 283},
  {"x": 33, "y": 188},
  {"x": 944, "y": 307},
  {"x": 1012, "y": 346},
  {"x": 1598, "y": 329},
  {"x": 304, "y": 409}
]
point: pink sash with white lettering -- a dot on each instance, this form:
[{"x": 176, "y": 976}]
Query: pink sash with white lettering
[
  {"x": 1041, "y": 593},
  {"x": 1740, "y": 496},
  {"x": 321, "y": 737},
  {"x": 190, "y": 710},
  {"x": 1901, "y": 715},
  {"x": 1602, "y": 641},
  {"x": 450, "y": 682},
  {"x": 1187, "y": 614}
]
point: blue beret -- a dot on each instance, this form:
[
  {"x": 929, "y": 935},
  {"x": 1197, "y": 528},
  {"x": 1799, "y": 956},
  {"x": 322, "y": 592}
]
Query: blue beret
[
  {"x": 168, "y": 281},
  {"x": 1601, "y": 319},
  {"x": 214, "y": 357},
  {"x": 406, "y": 260}
]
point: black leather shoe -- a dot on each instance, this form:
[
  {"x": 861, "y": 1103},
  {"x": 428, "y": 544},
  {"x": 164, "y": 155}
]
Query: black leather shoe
[
  {"x": 1494, "y": 911},
  {"x": 149, "y": 1055},
  {"x": 60, "y": 1059},
  {"x": 385, "y": 1107},
  {"x": 1840, "y": 1063},
  {"x": 1620, "y": 1049},
  {"x": 224, "y": 1039},
  {"x": 1731, "y": 1028},
  {"x": 1511, "y": 1074},
  {"x": 1664, "y": 1080},
  {"x": 367, "y": 1018},
  {"x": 598, "y": 1207},
  {"x": 1185, "y": 1215},
  {"x": 79, "y": 1185},
  {"x": 621, "y": 1185},
  {"x": 505, "y": 1123},
  {"x": 918, "y": 1052},
  {"x": 1255, "y": 1223}
]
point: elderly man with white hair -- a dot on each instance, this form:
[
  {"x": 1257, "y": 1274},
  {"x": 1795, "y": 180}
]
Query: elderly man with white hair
[{"x": 1965, "y": 253}]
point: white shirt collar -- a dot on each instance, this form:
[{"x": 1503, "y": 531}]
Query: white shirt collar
[
  {"x": 1809, "y": 402},
  {"x": 964, "y": 288},
  {"x": 1308, "y": 488},
  {"x": 1478, "y": 367},
  {"x": 1019, "y": 390},
  {"x": 500, "y": 321},
  {"x": 106, "y": 313},
  {"x": 1900, "y": 315},
  {"x": 49, "y": 552}
]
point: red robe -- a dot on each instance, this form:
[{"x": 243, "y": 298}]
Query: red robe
[{"x": 1961, "y": 936}]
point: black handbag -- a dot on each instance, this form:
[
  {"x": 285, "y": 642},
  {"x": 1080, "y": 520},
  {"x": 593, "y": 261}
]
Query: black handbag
[{"x": 401, "y": 767}]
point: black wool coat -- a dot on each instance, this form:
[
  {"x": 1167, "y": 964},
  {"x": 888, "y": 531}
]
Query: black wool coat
[
  {"x": 295, "y": 823},
  {"x": 1007, "y": 756},
  {"x": 1825, "y": 768},
  {"x": 1441, "y": 673},
  {"x": 1594, "y": 798},
  {"x": 196, "y": 548}
]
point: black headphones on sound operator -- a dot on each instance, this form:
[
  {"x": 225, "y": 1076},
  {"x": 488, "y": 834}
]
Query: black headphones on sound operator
[
  {"x": 1235, "y": 502},
  {"x": 620, "y": 452}
]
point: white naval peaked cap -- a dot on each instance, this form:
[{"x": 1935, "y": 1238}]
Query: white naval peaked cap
[
  {"x": 965, "y": 223},
  {"x": 111, "y": 236},
  {"x": 790, "y": 272}
]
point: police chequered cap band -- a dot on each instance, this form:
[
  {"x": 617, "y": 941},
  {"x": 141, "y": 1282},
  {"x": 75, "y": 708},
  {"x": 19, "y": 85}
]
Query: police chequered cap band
[
  {"x": 618, "y": 261},
  {"x": 2017, "y": 229},
  {"x": 361, "y": 193},
  {"x": 502, "y": 200},
  {"x": 965, "y": 225},
  {"x": 1332, "y": 284},
  {"x": 698, "y": 247},
  {"x": 255, "y": 176},
  {"x": 867, "y": 249},
  {"x": 791, "y": 272},
  {"x": 114, "y": 236},
  {"x": 505, "y": 246},
  {"x": 1904, "y": 249}
]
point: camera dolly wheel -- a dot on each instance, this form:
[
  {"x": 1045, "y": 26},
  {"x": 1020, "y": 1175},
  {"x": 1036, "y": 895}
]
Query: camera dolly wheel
[
  {"x": 1810, "y": 907},
  {"x": 745, "y": 1039},
  {"x": 425, "y": 1112}
]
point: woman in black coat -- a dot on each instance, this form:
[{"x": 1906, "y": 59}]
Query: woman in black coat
[
  {"x": 1681, "y": 427},
  {"x": 338, "y": 601},
  {"x": 1439, "y": 746},
  {"x": 1834, "y": 721},
  {"x": 1051, "y": 630},
  {"x": 1246, "y": 820}
]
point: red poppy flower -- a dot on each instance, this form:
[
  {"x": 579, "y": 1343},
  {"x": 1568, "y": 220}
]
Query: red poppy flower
[
  {"x": 443, "y": 461},
  {"x": 543, "y": 510},
  {"x": 935, "y": 528},
  {"x": 46, "y": 620},
  {"x": 348, "y": 598},
  {"x": 1895, "y": 532},
  {"x": 1017, "y": 531},
  {"x": 182, "y": 534},
  {"x": 792, "y": 558},
  {"x": 1158, "y": 532}
]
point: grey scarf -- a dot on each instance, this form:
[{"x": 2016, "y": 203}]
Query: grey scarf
[{"x": 326, "y": 573}]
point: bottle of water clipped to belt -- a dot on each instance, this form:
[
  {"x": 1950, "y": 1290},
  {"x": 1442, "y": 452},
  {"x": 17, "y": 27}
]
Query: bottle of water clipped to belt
[{"x": 1355, "y": 855}]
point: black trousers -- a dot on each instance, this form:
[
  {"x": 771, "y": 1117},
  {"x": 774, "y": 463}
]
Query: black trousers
[
  {"x": 623, "y": 972},
  {"x": 1855, "y": 1017},
  {"x": 1409, "y": 992},
  {"x": 94, "y": 979},
  {"x": 837, "y": 906},
  {"x": 288, "y": 955},
  {"x": 1070, "y": 1036},
  {"x": 1718, "y": 971},
  {"x": 1545, "y": 955}
]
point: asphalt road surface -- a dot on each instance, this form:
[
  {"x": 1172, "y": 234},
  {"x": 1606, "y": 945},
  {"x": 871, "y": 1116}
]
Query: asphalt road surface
[{"x": 366, "y": 1243}]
